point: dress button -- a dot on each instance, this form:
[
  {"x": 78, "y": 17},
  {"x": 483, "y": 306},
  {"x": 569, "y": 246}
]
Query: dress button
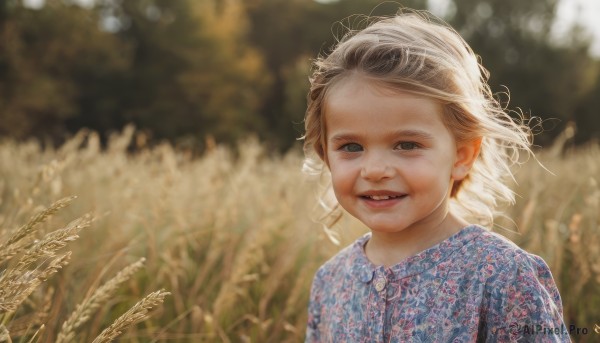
[{"x": 380, "y": 283}]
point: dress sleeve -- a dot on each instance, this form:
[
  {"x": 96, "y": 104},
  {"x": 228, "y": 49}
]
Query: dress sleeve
[
  {"x": 314, "y": 309},
  {"x": 525, "y": 304}
]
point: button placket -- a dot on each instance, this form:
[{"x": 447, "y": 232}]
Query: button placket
[{"x": 379, "y": 287}]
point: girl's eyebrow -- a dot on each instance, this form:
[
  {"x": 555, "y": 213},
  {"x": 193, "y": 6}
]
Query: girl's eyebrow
[
  {"x": 412, "y": 133},
  {"x": 343, "y": 137},
  {"x": 419, "y": 134}
]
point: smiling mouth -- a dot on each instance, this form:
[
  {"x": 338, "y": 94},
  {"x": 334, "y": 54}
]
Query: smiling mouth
[{"x": 382, "y": 197}]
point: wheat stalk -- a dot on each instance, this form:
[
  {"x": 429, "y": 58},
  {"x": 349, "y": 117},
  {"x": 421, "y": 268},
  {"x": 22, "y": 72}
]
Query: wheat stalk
[
  {"x": 19, "y": 281},
  {"x": 12, "y": 247},
  {"x": 54, "y": 241},
  {"x": 89, "y": 305},
  {"x": 136, "y": 314},
  {"x": 22, "y": 325},
  {"x": 15, "y": 289}
]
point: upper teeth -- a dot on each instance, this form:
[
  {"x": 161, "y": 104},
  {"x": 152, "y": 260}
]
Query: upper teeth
[{"x": 380, "y": 197}]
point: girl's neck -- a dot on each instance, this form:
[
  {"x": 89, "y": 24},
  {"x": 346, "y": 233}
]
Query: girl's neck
[{"x": 388, "y": 249}]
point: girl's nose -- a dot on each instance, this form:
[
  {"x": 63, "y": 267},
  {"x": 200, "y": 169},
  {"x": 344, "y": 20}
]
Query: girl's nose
[{"x": 376, "y": 168}]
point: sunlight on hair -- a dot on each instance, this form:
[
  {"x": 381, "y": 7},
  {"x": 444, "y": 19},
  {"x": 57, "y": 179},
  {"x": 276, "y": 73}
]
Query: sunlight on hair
[{"x": 419, "y": 53}]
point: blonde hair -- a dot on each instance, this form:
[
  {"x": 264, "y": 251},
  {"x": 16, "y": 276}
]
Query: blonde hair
[{"x": 419, "y": 53}]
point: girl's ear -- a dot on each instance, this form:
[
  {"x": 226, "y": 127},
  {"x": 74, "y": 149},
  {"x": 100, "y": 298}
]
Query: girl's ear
[{"x": 466, "y": 154}]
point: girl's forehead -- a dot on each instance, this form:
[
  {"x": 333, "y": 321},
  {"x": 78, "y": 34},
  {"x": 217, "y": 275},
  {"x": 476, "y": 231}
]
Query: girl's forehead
[
  {"x": 358, "y": 92},
  {"x": 355, "y": 83},
  {"x": 358, "y": 106}
]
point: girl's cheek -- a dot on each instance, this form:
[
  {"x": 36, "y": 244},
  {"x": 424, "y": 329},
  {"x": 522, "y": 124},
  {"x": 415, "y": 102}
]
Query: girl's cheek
[
  {"x": 341, "y": 167},
  {"x": 343, "y": 163}
]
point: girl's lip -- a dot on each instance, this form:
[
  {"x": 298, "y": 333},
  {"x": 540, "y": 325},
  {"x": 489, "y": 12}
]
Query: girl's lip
[
  {"x": 382, "y": 203},
  {"x": 382, "y": 193}
]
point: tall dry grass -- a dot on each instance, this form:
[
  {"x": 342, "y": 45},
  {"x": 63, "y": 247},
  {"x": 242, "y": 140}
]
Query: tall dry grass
[
  {"x": 28, "y": 262},
  {"x": 232, "y": 237}
]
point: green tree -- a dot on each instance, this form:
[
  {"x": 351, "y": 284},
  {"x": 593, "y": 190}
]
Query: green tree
[
  {"x": 49, "y": 60},
  {"x": 192, "y": 71},
  {"x": 173, "y": 67}
]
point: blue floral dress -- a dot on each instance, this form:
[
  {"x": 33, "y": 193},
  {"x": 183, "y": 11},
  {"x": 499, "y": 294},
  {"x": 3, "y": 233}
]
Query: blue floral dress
[{"x": 475, "y": 286}]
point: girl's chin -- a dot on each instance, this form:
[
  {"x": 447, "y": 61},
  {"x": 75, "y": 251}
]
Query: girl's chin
[{"x": 385, "y": 229}]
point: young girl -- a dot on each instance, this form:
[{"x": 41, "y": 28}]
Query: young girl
[{"x": 418, "y": 148}]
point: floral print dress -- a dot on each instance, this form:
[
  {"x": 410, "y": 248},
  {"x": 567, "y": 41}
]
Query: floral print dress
[{"x": 475, "y": 286}]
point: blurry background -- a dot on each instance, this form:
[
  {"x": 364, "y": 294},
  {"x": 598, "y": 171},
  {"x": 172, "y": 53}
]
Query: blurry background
[
  {"x": 233, "y": 229},
  {"x": 182, "y": 70}
]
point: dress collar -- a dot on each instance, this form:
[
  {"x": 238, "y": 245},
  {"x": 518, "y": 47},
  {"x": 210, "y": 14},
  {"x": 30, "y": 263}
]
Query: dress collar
[{"x": 363, "y": 269}]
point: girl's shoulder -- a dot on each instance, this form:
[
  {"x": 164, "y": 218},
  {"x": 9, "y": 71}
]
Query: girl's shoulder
[
  {"x": 494, "y": 249},
  {"x": 505, "y": 268},
  {"x": 347, "y": 263},
  {"x": 518, "y": 288},
  {"x": 346, "y": 256}
]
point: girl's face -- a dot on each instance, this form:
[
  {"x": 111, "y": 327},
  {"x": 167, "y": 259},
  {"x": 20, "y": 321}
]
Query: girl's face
[{"x": 391, "y": 158}]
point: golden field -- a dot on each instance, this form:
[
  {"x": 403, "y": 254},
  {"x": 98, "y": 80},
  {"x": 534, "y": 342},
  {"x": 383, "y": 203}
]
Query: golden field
[{"x": 232, "y": 237}]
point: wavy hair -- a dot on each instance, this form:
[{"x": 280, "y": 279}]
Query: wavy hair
[{"x": 419, "y": 53}]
